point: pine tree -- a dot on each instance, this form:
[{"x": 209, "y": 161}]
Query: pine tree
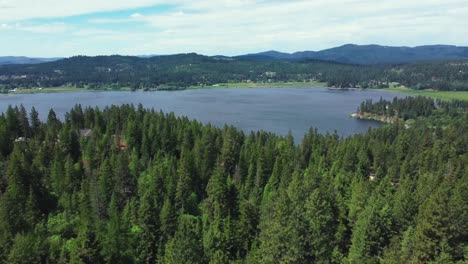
[
  {"x": 216, "y": 213},
  {"x": 25, "y": 129},
  {"x": 458, "y": 218},
  {"x": 432, "y": 225},
  {"x": 186, "y": 245},
  {"x": 25, "y": 250},
  {"x": 115, "y": 247},
  {"x": 13, "y": 218},
  {"x": 5, "y": 137},
  {"x": 124, "y": 183},
  {"x": 185, "y": 182},
  {"x": 249, "y": 217},
  {"x": 168, "y": 220},
  {"x": 282, "y": 225},
  {"x": 371, "y": 233},
  {"x": 321, "y": 225},
  {"x": 148, "y": 215}
]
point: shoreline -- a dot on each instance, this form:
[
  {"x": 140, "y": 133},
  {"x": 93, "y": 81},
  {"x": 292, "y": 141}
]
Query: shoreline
[
  {"x": 69, "y": 89},
  {"x": 262, "y": 85},
  {"x": 442, "y": 95},
  {"x": 62, "y": 89},
  {"x": 375, "y": 117}
]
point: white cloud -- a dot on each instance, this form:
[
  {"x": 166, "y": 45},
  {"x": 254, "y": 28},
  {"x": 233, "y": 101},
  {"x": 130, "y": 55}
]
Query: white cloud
[
  {"x": 47, "y": 28},
  {"x": 94, "y": 32},
  {"x": 136, "y": 15},
  {"x": 108, "y": 20},
  {"x": 14, "y": 10},
  {"x": 240, "y": 26}
]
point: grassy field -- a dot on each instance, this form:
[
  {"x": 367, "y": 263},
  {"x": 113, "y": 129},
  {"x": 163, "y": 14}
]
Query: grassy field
[
  {"x": 257, "y": 85},
  {"x": 443, "y": 95}
]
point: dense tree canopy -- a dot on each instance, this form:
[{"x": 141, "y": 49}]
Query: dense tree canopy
[
  {"x": 148, "y": 187},
  {"x": 183, "y": 70}
]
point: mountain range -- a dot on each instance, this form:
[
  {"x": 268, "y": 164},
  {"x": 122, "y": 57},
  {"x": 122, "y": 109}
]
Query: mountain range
[
  {"x": 24, "y": 60},
  {"x": 369, "y": 54},
  {"x": 349, "y": 54}
]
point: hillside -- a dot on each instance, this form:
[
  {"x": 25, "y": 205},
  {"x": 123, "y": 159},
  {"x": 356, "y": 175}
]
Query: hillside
[
  {"x": 349, "y": 53},
  {"x": 371, "y": 54},
  {"x": 183, "y": 70},
  {"x": 24, "y": 60},
  {"x": 131, "y": 185},
  {"x": 180, "y": 70}
]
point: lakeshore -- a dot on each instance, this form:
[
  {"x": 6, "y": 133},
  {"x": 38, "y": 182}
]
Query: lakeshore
[{"x": 443, "y": 95}]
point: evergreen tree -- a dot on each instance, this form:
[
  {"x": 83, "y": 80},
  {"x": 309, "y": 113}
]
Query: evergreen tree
[
  {"x": 199, "y": 194},
  {"x": 115, "y": 247},
  {"x": 432, "y": 226},
  {"x": 186, "y": 245},
  {"x": 25, "y": 250}
]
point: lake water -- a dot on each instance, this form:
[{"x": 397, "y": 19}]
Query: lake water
[{"x": 278, "y": 110}]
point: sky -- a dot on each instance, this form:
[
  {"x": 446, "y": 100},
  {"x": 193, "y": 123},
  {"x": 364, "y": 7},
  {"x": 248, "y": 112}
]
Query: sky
[{"x": 63, "y": 28}]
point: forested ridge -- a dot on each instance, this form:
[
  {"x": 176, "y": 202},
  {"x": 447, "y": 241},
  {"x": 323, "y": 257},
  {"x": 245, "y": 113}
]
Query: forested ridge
[
  {"x": 184, "y": 70},
  {"x": 435, "y": 112},
  {"x": 371, "y": 54},
  {"x": 126, "y": 184}
]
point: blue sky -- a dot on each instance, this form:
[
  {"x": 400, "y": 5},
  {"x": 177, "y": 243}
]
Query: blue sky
[{"x": 62, "y": 28}]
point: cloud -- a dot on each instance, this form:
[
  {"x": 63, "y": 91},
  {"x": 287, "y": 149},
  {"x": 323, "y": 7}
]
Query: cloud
[
  {"x": 94, "y": 32},
  {"x": 240, "y": 26},
  {"x": 109, "y": 20},
  {"x": 33, "y": 9},
  {"x": 298, "y": 25},
  {"x": 136, "y": 16},
  {"x": 47, "y": 28}
]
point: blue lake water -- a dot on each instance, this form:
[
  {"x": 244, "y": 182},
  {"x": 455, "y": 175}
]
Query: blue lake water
[{"x": 278, "y": 110}]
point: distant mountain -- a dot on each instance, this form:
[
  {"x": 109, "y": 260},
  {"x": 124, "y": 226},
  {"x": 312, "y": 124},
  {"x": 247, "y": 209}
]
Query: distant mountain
[
  {"x": 369, "y": 54},
  {"x": 24, "y": 60},
  {"x": 268, "y": 55},
  {"x": 147, "y": 56},
  {"x": 349, "y": 54}
]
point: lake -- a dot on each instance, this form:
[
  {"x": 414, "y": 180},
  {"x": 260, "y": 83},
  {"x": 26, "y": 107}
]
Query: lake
[{"x": 278, "y": 110}]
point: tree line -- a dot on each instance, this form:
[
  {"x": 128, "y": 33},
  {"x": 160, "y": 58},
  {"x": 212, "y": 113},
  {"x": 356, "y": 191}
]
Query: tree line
[
  {"x": 185, "y": 70},
  {"x": 126, "y": 184}
]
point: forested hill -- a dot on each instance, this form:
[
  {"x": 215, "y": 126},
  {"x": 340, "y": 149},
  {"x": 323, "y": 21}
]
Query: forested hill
[
  {"x": 183, "y": 70},
  {"x": 24, "y": 60},
  {"x": 349, "y": 53},
  {"x": 371, "y": 54},
  {"x": 130, "y": 185}
]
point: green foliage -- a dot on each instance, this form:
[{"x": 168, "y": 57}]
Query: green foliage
[
  {"x": 176, "y": 72},
  {"x": 186, "y": 245},
  {"x": 148, "y": 187},
  {"x": 26, "y": 249},
  {"x": 115, "y": 245}
]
